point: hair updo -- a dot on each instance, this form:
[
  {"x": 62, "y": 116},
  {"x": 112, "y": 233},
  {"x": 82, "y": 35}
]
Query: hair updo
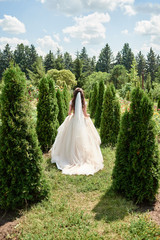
[{"x": 76, "y": 91}]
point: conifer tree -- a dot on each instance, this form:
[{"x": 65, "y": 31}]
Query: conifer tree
[
  {"x": 60, "y": 107},
  {"x": 99, "y": 104},
  {"x": 21, "y": 176},
  {"x": 66, "y": 97},
  {"x": 116, "y": 118},
  {"x": 47, "y": 112},
  {"x": 53, "y": 111},
  {"x": 136, "y": 171},
  {"x": 106, "y": 131},
  {"x": 110, "y": 117},
  {"x": 158, "y": 104},
  {"x": 94, "y": 100},
  {"x": 90, "y": 99}
]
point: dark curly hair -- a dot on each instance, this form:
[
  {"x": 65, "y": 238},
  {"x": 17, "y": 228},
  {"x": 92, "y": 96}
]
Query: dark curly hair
[{"x": 76, "y": 91}]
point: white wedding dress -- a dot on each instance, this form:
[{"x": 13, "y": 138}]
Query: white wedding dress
[{"x": 76, "y": 149}]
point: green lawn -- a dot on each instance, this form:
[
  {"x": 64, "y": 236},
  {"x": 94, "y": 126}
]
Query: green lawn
[{"x": 85, "y": 207}]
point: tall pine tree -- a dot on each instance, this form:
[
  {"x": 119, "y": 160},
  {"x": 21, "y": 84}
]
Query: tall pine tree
[{"x": 105, "y": 60}]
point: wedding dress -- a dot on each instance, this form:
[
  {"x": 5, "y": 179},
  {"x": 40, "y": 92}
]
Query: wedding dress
[{"x": 76, "y": 149}]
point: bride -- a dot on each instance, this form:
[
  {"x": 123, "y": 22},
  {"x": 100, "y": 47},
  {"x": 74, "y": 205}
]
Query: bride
[{"x": 76, "y": 149}]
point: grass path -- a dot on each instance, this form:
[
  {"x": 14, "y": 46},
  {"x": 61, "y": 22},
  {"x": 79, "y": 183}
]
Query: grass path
[{"x": 84, "y": 207}]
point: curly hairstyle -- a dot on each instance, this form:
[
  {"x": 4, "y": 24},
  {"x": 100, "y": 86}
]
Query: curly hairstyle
[{"x": 74, "y": 98}]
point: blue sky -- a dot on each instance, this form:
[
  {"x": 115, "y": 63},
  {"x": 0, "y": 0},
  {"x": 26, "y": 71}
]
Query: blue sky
[{"x": 73, "y": 24}]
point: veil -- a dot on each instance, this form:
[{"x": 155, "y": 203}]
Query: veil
[{"x": 78, "y": 109}]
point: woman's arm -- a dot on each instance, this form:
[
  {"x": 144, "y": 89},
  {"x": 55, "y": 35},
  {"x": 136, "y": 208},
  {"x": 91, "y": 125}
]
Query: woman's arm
[{"x": 70, "y": 109}]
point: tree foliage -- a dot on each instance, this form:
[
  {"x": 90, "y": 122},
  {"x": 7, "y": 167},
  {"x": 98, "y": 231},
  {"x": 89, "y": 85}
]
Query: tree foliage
[
  {"x": 62, "y": 77},
  {"x": 110, "y": 117},
  {"x": 105, "y": 60},
  {"x": 94, "y": 97},
  {"x": 21, "y": 177},
  {"x": 136, "y": 170},
  {"x": 98, "y": 113},
  {"x": 119, "y": 76},
  {"x": 61, "y": 109},
  {"x": 127, "y": 56},
  {"x": 47, "y": 112}
]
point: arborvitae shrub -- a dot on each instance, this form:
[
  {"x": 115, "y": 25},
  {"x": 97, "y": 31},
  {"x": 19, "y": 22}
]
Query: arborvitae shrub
[
  {"x": 136, "y": 171},
  {"x": 60, "y": 107},
  {"x": 66, "y": 98},
  {"x": 99, "y": 104},
  {"x": 158, "y": 104},
  {"x": 94, "y": 98},
  {"x": 116, "y": 119},
  {"x": 110, "y": 118},
  {"x": 21, "y": 177},
  {"x": 47, "y": 112},
  {"x": 54, "y": 124},
  {"x": 90, "y": 99}
]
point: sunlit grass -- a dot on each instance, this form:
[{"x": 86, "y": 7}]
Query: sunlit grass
[{"x": 84, "y": 207}]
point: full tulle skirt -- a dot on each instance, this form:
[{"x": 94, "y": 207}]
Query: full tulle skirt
[{"x": 76, "y": 149}]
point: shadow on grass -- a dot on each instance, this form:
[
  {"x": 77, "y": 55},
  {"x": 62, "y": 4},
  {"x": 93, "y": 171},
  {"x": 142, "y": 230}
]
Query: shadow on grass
[
  {"x": 112, "y": 207},
  {"x": 8, "y": 221}
]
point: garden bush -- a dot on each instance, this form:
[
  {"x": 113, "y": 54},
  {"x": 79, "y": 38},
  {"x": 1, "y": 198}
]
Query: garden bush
[
  {"x": 136, "y": 171},
  {"x": 21, "y": 176}
]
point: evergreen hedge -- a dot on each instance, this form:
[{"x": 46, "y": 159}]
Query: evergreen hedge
[
  {"x": 47, "y": 112},
  {"x": 110, "y": 117},
  {"x": 136, "y": 171},
  {"x": 99, "y": 104},
  {"x": 66, "y": 97},
  {"x": 158, "y": 104},
  {"x": 21, "y": 177},
  {"x": 94, "y": 97},
  {"x": 61, "y": 116}
]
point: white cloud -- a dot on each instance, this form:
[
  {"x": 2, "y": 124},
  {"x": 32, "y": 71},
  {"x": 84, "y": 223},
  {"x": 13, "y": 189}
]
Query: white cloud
[
  {"x": 146, "y": 47},
  {"x": 149, "y": 27},
  {"x": 56, "y": 36},
  {"x": 73, "y": 7},
  {"x": 12, "y": 25},
  {"x": 148, "y": 8},
  {"x": 12, "y": 42},
  {"x": 47, "y": 43},
  {"x": 67, "y": 40},
  {"x": 125, "y": 31},
  {"x": 89, "y": 29},
  {"x": 129, "y": 10}
]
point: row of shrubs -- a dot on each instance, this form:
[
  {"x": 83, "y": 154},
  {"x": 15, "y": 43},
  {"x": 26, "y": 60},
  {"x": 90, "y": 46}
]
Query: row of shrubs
[
  {"x": 136, "y": 172},
  {"x": 22, "y": 179}
]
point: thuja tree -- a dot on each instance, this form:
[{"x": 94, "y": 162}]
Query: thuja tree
[
  {"x": 136, "y": 171},
  {"x": 47, "y": 112},
  {"x": 53, "y": 111},
  {"x": 66, "y": 97},
  {"x": 94, "y": 97},
  {"x": 158, "y": 104},
  {"x": 110, "y": 117},
  {"x": 60, "y": 107},
  {"x": 21, "y": 177},
  {"x": 99, "y": 104},
  {"x": 116, "y": 119}
]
